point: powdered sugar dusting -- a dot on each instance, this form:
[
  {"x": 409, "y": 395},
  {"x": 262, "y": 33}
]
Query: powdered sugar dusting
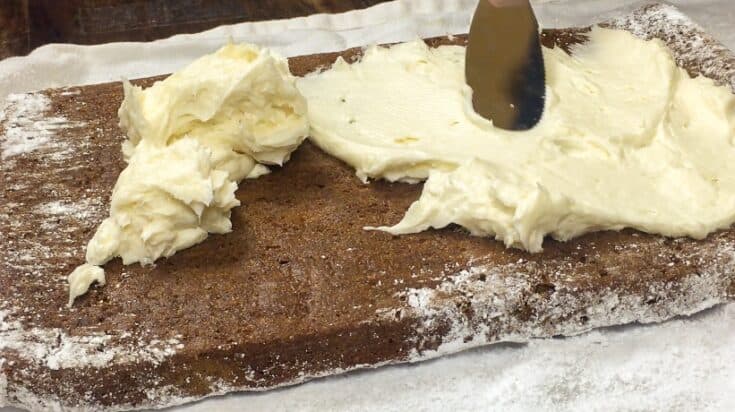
[
  {"x": 55, "y": 349},
  {"x": 56, "y": 211},
  {"x": 38, "y": 151},
  {"x": 27, "y": 126},
  {"x": 488, "y": 304},
  {"x": 690, "y": 45},
  {"x": 58, "y": 220}
]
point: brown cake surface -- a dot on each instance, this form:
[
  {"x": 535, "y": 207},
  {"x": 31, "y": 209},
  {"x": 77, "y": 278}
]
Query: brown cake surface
[{"x": 298, "y": 289}]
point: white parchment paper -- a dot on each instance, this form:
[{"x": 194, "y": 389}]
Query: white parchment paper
[{"x": 681, "y": 365}]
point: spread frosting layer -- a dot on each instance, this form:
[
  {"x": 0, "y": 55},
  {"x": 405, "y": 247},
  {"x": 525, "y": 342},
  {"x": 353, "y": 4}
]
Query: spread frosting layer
[
  {"x": 627, "y": 139},
  {"x": 191, "y": 139}
]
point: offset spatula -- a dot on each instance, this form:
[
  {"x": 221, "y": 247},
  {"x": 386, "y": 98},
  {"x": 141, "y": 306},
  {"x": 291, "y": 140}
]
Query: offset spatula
[{"x": 504, "y": 64}]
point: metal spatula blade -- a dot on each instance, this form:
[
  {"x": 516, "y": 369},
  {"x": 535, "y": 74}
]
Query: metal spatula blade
[{"x": 504, "y": 65}]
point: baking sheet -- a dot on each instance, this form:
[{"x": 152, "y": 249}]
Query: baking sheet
[{"x": 686, "y": 364}]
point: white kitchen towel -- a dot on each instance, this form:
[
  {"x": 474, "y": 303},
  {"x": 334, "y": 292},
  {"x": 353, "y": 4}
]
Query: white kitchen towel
[{"x": 59, "y": 65}]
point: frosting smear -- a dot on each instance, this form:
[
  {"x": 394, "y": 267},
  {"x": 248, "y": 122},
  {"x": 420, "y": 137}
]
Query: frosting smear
[
  {"x": 628, "y": 139},
  {"x": 191, "y": 139}
]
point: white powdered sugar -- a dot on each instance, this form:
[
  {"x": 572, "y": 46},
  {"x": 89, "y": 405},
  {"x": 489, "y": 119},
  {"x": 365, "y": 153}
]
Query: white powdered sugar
[
  {"x": 28, "y": 127},
  {"x": 687, "y": 41},
  {"x": 30, "y": 132},
  {"x": 58, "y": 214},
  {"x": 55, "y": 349},
  {"x": 484, "y": 304},
  {"x": 58, "y": 220},
  {"x": 57, "y": 207}
]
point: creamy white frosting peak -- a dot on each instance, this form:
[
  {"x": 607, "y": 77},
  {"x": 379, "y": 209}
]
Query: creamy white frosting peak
[
  {"x": 167, "y": 199},
  {"x": 241, "y": 102},
  {"x": 83, "y": 276},
  {"x": 191, "y": 139},
  {"x": 627, "y": 139}
]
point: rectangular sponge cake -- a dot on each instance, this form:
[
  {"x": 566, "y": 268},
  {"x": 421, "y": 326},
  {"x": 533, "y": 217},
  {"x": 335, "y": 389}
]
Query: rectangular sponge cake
[{"x": 298, "y": 289}]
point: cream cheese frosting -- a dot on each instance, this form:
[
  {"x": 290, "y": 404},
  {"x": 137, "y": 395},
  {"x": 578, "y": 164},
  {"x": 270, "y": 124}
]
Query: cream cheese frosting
[
  {"x": 627, "y": 139},
  {"x": 83, "y": 276},
  {"x": 191, "y": 139}
]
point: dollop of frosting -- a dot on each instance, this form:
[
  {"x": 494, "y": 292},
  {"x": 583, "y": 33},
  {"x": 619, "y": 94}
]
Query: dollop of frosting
[
  {"x": 627, "y": 139},
  {"x": 83, "y": 276},
  {"x": 191, "y": 139}
]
